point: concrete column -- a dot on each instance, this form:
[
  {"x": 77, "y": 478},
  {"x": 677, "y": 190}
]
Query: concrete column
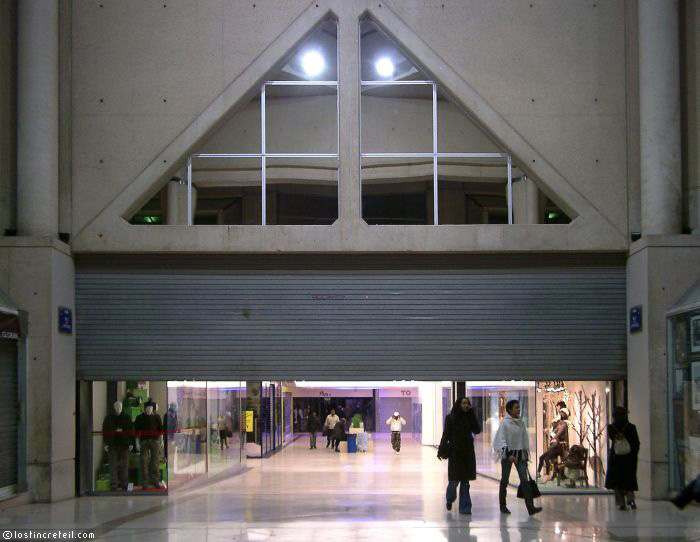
[
  {"x": 349, "y": 195},
  {"x": 526, "y": 202},
  {"x": 659, "y": 105},
  {"x": 176, "y": 203},
  {"x": 37, "y": 117}
]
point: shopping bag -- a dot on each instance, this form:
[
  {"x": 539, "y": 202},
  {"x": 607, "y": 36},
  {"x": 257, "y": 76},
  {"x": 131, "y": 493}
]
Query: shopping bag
[{"x": 533, "y": 488}]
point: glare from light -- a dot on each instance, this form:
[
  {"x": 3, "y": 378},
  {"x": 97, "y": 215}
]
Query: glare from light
[
  {"x": 384, "y": 67},
  {"x": 313, "y": 63}
]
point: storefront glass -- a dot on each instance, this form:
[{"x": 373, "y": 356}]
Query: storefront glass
[
  {"x": 566, "y": 422},
  {"x": 684, "y": 396},
  {"x": 156, "y": 435}
]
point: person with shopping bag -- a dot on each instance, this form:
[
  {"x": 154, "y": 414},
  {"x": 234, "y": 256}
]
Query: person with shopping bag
[
  {"x": 622, "y": 459},
  {"x": 512, "y": 445}
]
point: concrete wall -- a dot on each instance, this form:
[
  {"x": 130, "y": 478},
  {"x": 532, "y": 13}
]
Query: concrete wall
[
  {"x": 8, "y": 114},
  {"x": 38, "y": 275},
  {"x": 556, "y": 99},
  {"x": 690, "y": 88},
  {"x": 659, "y": 271}
]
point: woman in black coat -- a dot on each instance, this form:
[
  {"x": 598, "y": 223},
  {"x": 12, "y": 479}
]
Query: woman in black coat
[
  {"x": 622, "y": 468},
  {"x": 457, "y": 446}
]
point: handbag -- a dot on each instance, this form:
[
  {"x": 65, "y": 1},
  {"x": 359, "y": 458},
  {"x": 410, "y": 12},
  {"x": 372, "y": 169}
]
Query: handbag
[
  {"x": 533, "y": 488},
  {"x": 622, "y": 446}
]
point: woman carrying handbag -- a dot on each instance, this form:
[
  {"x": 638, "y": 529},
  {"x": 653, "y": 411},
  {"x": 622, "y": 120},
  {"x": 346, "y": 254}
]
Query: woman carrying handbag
[
  {"x": 622, "y": 459},
  {"x": 512, "y": 445}
]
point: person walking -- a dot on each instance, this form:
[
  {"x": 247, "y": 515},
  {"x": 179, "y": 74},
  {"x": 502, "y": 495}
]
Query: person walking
[
  {"x": 457, "y": 446},
  {"x": 512, "y": 444},
  {"x": 331, "y": 420},
  {"x": 622, "y": 459},
  {"x": 313, "y": 424},
  {"x": 222, "y": 426},
  {"x": 338, "y": 434},
  {"x": 688, "y": 493},
  {"x": 395, "y": 423}
]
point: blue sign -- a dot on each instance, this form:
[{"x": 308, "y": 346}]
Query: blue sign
[
  {"x": 65, "y": 320},
  {"x": 636, "y": 319}
]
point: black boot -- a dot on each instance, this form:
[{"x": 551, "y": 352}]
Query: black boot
[{"x": 504, "y": 509}]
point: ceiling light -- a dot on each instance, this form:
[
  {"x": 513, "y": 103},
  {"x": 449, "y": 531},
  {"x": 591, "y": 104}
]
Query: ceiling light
[
  {"x": 384, "y": 67},
  {"x": 313, "y": 63}
]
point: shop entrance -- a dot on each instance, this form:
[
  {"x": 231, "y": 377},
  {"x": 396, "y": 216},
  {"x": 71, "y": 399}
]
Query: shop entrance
[{"x": 207, "y": 429}]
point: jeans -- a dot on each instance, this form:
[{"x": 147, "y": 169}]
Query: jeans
[
  {"x": 521, "y": 467},
  {"x": 465, "y": 500},
  {"x": 150, "y": 460},
  {"x": 312, "y": 439},
  {"x": 118, "y": 467},
  {"x": 396, "y": 440}
]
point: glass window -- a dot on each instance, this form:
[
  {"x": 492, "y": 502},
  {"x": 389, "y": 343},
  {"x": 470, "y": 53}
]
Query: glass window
[
  {"x": 397, "y": 190},
  {"x": 684, "y": 408},
  {"x": 157, "y": 436},
  {"x": 397, "y": 118},
  {"x": 301, "y": 119},
  {"x": 301, "y": 190},
  {"x": 566, "y": 423},
  {"x": 439, "y": 166},
  {"x": 473, "y": 190},
  {"x": 226, "y": 190}
]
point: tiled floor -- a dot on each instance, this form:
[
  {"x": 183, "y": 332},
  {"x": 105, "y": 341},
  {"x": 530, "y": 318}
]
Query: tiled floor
[{"x": 318, "y": 495}]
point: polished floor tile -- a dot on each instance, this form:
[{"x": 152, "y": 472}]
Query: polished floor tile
[{"x": 319, "y": 495}]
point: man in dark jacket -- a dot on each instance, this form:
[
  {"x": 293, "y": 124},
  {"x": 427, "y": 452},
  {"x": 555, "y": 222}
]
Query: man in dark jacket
[
  {"x": 622, "y": 459},
  {"x": 149, "y": 429},
  {"x": 118, "y": 435},
  {"x": 457, "y": 446},
  {"x": 313, "y": 424}
]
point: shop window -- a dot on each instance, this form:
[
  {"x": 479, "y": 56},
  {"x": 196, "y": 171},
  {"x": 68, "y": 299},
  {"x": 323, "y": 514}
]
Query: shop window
[
  {"x": 567, "y": 423},
  {"x": 684, "y": 399},
  {"x": 156, "y": 436}
]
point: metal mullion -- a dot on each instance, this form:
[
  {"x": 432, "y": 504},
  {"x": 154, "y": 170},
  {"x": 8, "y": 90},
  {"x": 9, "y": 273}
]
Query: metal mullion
[
  {"x": 397, "y": 154},
  {"x": 227, "y": 155},
  {"x": 302, "y": 83},
  {"x": 300, "y": 155},
  {"x": 189, "y": 191},
  {"x": 510, "y": 191},
  {"x": 435, "y": 157},
  {"x": 263, "y": 162},
  {"x": 388, "y": 83},
  {"x": 473, "y": 155}
]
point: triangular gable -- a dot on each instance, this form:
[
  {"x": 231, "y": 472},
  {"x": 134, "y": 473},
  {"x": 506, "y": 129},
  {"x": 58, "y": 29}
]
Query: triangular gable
[{"x": 589, "y": 220}]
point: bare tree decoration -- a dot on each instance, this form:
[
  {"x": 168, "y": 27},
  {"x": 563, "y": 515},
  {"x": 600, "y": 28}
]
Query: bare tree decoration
[
  {"x": 580, "y": 423},
  {"x": 595, "y": 436}
]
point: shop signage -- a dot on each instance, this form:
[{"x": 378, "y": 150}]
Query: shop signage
[
  {"x": 248, "y": 421},
  {"x": 65, "y": 320},
  {"x": 9, "y": 326},
  {"x": 636, "y": 319}
]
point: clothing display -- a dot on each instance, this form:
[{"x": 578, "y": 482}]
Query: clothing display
[{"x": 149, "y": 429}]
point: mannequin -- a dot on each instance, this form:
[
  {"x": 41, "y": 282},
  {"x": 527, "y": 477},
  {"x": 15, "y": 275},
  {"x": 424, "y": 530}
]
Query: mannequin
[
  {"x": 119, "y": 441},
  {"x": 149, "y": 430}
]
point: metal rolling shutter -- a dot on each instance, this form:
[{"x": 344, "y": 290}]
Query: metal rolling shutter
[
  {"x": 351, "y": 317},
  {"x": 9, "y": 413}
]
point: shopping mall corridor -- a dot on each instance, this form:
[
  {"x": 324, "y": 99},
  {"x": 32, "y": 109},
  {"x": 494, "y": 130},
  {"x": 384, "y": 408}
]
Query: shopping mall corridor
[{"x": 319, "y": 495}]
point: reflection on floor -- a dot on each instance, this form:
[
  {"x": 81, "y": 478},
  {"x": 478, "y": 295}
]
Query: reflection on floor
[{"x": 319, "y": 495}]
